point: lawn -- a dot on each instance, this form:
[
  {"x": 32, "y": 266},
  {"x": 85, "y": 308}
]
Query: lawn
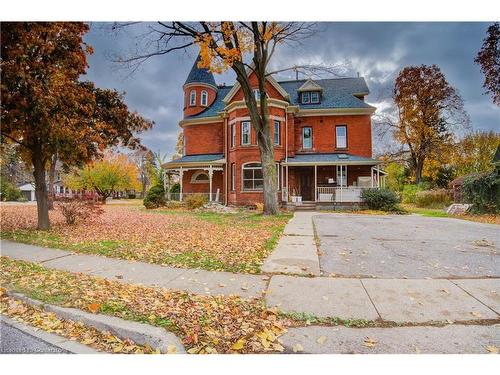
[
  {"x": 435, "y": 212},
  {"x": 235, "y": 242}
]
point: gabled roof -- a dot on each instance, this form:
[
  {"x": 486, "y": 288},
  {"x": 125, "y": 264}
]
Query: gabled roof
[
  {"x": 330, "y": 159},
  {"x": 310, "y": 85},
  {"x": 270, "y": 79},
  {"x": 338, "y": 93},
  {"x": 200, "y": 75}
]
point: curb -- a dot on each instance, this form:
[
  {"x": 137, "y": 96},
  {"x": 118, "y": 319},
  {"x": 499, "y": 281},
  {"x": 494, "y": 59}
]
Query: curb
[
  {"x": 140, "y": 333},
  {"x": 71, "y": 347}
]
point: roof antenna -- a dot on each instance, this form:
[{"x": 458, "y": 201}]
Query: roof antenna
[{"x": 296, "y": 74}]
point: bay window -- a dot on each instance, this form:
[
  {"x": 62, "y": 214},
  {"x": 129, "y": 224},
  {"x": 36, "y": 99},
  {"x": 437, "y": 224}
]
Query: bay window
[{"x": 245, "y": 133}]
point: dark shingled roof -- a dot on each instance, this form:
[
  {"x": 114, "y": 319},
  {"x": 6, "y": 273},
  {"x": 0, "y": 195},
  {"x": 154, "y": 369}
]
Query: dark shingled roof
[
  {"x": 201, "y": 158},
  {"x": 338, "y": 93},
  {"x": 200, "y": 75},
  {"x": 330, "y": 158}
]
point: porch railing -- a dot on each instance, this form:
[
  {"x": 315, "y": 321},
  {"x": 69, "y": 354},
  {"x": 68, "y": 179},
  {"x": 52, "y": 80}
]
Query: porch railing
[{"x": 339, "y": 194}]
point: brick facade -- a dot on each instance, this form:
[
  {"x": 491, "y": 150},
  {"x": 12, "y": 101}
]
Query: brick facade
[{"x": 217, "y": 138}]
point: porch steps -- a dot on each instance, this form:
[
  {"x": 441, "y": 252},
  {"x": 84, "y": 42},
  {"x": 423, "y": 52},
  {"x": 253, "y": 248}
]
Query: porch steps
[{"x": 306, "y": 206}]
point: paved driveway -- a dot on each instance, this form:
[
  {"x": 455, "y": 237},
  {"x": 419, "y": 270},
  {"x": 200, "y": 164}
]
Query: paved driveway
[{"x": 406, "y": 246}]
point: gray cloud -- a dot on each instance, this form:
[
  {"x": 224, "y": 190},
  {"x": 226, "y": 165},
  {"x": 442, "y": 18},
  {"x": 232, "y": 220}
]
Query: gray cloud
[{"x": 378, "y": 51}]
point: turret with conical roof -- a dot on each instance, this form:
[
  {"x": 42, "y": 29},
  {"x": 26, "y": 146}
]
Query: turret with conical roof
[{"x": 200, "y": 90}]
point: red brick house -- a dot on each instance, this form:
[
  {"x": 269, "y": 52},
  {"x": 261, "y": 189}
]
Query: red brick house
[{"x": 321, "y": 130}]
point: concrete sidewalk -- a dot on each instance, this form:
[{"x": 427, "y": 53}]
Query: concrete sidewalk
[
  {"x": 296, "y": 251},
  {"x": 395, "y": 300}
]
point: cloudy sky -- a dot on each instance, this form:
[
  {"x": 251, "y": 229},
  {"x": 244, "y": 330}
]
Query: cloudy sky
[{"x": 377, "y": 51}]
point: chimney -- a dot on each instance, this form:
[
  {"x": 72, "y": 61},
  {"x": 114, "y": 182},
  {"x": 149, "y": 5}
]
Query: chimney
[{"x": 358, "y": 74}]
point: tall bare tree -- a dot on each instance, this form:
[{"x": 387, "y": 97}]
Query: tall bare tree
[
  {"x": 246, "y": 48},
  {"x": 430, "y": 112},
  {"x": 489, "y": 60}
]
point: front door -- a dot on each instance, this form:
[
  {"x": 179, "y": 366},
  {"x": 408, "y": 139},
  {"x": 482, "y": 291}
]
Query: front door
[{"x": 306, "y": 176}]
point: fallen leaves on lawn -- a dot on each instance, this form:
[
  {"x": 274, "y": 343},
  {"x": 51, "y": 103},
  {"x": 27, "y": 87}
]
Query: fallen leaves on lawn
[
  {"x": 77, "y": 331},
  {"x": 297, "y": 348},
  {"x": 205, "y": 324},
  {"x": 321, "y": 340},
  {"x": 230, "y": 242}
]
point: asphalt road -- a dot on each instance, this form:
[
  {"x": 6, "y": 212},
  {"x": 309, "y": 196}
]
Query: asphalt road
[{"x": 14, "y": 341}]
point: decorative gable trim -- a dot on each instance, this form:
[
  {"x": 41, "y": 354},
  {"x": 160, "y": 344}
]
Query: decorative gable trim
[
  {"x": 310, "y": 85},
  {"x": 270, "y": 79}
]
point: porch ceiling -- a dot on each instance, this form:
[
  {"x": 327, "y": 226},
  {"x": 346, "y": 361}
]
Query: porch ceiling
[{"x": 330, "y": 159}]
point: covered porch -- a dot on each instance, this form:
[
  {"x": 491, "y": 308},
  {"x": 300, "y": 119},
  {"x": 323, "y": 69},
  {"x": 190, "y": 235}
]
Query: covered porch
[
  {"x": 329, "y": 178},
  {"x": 196, "y": 174}
]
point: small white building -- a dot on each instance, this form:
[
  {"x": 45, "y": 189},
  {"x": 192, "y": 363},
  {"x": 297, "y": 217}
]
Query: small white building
[{"x": 28, "y": 191}]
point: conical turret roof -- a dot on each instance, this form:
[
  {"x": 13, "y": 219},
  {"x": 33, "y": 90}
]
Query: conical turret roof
[{"x": 200, "y": 75}]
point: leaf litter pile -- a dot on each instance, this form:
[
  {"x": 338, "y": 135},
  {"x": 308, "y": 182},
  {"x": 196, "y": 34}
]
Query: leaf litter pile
[
  {"x": 205, "y": 324},
  {"x": 47, "y": 321},
  {"x": 236, "y": 242}
]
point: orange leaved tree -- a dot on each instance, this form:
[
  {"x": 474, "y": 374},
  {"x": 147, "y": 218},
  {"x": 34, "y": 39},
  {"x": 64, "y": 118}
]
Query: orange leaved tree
[
  {"x": 46, "y": 110},
  {"x": 246, "y": 48}
]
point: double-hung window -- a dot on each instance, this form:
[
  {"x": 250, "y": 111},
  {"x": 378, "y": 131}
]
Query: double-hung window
[
  {"x": 314, "y": 97},
  {"x": 233, "y": 135},
  {"x": 341, "y": 136},
  {"x": 277, "y": 132},
  {"x": 204, "y": 98},
  {"x": 245, "y": 132},
  {"x": 192, "y": 98},
  {"x": 307, "y": 138},
  {"x": 256, "y": 94},
  {"x": 233, "y": 176},
  {"x": 252, "y": 176},
  {"x": 306, "y": 97}
]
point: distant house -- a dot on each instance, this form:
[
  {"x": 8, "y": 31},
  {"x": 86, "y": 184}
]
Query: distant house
[
  {"x": 322, "y": 140},
  {"x": 28, "y": 191}
]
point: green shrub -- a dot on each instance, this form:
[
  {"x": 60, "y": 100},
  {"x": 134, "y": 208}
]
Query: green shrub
[
  {"x": 380, "y": 199},
  {"x": 195, "y": 201},
  {"x": 483, "y": 192},
  {"x": 175, "y": 188},
  {"x": 155, "y": 197},
  {"x": 433, "y": 198},
  {"x": 10, "y": 192},
  {"x": 409, "y": 193}
]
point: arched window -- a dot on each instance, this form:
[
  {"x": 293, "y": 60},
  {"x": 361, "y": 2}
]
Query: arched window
[
  {"x": 252, "y": 176},
  {"x": 192, "y": 98},
  {"x": 199, "y": 177},
  {"x": 204, "y": 98}
]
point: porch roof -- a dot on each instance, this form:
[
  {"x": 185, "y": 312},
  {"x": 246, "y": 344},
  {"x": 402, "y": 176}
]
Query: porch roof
[
  {"x": 330, "y": 159},
  {"x": 195, "y": 160}
]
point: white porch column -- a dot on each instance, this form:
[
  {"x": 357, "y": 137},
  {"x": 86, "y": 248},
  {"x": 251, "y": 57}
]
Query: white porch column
[
  {"x": 341, "y": 181},
  {"x": 315, "y": 183},
  {"x": 371, "y": 171},
  {"x": 287, "y": 191},
  {"x": 378, "y": 177},
  {"x": 181, "y": 175},
  {"x": 210, "y": 174}
]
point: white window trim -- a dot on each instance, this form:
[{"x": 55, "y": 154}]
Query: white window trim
[
  {"x": 243, "y": 189},
  {"x": 303, "y": 95},
  {"x": 204, "y": 95},
  {"x": 303, "y": 145},
  {"x": 195, "y": 176},
  {"x": 279, "y": 133},
  {"x": 337, "y": 137},
  {"x": 311, "y": 97},
  {"x": 233, "y": 176},
  {"x": 249, "y": 133},
  {"x": 192, "y": 98},
  {"x": 233, "y": 135}
]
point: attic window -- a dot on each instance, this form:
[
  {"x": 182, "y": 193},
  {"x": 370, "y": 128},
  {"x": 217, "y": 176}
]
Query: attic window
[{"x": 309, "y": 97}]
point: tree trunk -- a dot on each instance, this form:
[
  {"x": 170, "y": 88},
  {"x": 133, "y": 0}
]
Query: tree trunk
[
  {"x": 52, "y": 177},
  {"x": 419, "y": 166},
  {"x": 41, "y": 192}
]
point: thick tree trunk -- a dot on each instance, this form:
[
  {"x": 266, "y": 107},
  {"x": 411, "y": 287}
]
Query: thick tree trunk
[
  {"x": 41, "y": 192},
  {"x": 52, "y": 178}
]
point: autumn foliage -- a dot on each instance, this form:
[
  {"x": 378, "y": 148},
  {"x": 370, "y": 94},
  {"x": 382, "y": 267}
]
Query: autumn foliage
[
  {"x": 47, "y": 110},
  {"x": 489, "y": 60}
]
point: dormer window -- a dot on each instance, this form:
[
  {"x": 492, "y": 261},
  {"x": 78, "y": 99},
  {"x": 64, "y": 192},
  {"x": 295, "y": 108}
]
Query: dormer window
[
  {"x": 310, "y": 97},
  {"x": 204, "y": 98},
  {"x": 192, "y": 98}
]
